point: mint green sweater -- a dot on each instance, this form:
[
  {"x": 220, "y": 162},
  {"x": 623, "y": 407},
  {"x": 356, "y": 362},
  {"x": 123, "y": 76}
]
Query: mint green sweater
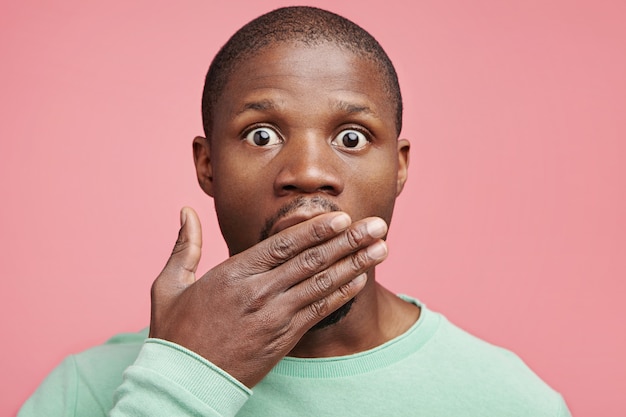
[{"x": 434, "y": 369}]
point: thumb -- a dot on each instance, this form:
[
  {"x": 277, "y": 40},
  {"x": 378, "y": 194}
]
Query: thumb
[{"x": 180, "y": 269}]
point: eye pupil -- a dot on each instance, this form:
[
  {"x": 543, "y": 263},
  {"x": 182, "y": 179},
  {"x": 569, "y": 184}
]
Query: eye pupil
[
  {"x": 261, "y": 137},
  {"x": 350, "y": 139}
]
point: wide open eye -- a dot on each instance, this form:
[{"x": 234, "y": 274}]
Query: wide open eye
[
  {"x": 350, "y": 139},
  {"x": 262, "y": 136}
]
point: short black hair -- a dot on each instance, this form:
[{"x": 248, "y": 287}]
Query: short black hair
[{"x": 301, "y": 24}]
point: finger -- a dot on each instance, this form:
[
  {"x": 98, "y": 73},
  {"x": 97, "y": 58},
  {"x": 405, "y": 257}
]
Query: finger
[
  {"x": 313, "y": 313},
  {"x": 180, "y": 269},
  {"x": 324, "y": 283},
  {"x": 316, "y": 259},
  {"x": 281, "y": 247}
]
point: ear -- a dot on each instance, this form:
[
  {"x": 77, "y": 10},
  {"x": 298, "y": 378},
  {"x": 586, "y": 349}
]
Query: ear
[
  {"x": 403, "y": 164},
  {"x": 202, "y": 159}
]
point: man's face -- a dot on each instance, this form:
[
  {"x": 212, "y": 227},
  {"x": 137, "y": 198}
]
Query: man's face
[{"x": 299, "y": 131}]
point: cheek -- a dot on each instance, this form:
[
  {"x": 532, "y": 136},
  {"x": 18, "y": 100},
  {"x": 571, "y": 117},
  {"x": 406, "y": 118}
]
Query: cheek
[
  {"x": 238, "y": 204},
  {"x": 235, "y": 178},
  {"x": 374, "y": 192}
]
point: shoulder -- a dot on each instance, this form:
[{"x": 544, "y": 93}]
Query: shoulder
[
  {"x": 492, "y": 374},
  {"x": 84, "y": 383},
  {"x": 470, "y": 351}
]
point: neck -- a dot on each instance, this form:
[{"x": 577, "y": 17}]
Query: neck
[{"x": 376, "y": 317}]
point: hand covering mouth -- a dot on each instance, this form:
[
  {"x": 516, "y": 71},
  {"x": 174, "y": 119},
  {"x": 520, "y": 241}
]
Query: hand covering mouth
[{"x": 296, "y": 211}]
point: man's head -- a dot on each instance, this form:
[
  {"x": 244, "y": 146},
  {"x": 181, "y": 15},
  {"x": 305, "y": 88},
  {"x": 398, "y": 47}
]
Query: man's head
[
  {"x": 308, "y": 26},
  {"x": 302, "y": 113}
]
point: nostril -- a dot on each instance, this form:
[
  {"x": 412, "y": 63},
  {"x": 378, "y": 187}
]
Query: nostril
[{"x": 324, "y": 188}]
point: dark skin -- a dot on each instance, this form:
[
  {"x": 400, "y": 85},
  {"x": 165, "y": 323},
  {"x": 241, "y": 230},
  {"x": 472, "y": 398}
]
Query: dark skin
[{"x": 290, "y": 126}]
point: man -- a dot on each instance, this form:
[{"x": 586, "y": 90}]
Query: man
[{"x": 302, "y": 113}]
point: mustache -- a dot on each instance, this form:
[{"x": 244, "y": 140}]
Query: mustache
[{"x": 293, "y": 205}]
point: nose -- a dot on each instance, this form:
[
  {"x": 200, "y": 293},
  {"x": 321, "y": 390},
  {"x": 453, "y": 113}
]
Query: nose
[{"x": 308, "y": 164}]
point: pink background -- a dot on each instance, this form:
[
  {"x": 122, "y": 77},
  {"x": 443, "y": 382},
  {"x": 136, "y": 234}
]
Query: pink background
[{"x": 512, "y": 222}]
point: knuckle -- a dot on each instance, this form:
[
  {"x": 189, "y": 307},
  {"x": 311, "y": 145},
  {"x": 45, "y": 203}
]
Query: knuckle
[
  {"x": 354, "y": 238},
  {"x": 179, "y": 246},
  {"x": 281, "y": 248},
  {"x": 319, "y": 309},
  {"x": 312, "y": 259},
  {"x": 319, "y": 232},
  {"x": 359, "y": 261},
  {"x": 345, "y": 291},
  {"x": 254, "y": 300},
  {"x": 322, "y": 283}
]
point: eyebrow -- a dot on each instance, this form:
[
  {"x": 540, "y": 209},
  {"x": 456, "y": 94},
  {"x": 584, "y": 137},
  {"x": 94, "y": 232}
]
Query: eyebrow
[
  {"x": 262, "y": 105},
  {"x": 352, "y": 108}
]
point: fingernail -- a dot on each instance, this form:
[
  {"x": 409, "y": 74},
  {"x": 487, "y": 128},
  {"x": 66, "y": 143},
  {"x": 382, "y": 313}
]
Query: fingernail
[
  {"x": 377, "y": 251},
  {"x": 376, "y": 227},
  {"x": 183, "y": 217},
  {"x": 340, "y": 222},
  {"x": 360, "y": 279}
]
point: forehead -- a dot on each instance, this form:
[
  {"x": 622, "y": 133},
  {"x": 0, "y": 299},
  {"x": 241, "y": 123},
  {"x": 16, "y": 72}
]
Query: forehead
[{"x": 325, "y": 73}]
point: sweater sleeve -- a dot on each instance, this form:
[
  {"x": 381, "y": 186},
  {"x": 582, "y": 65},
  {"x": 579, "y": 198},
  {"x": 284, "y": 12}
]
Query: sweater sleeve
[{"x": 167, "y": 380}]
